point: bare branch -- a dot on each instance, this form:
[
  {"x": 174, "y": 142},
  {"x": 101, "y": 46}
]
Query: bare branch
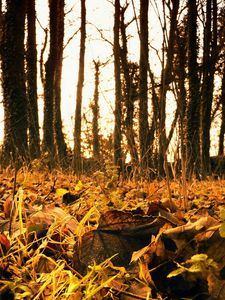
[
  {"x": 71, "y": 38},
  {"x": 100, "y": 31},
  {"x": 42, "y": 55}
]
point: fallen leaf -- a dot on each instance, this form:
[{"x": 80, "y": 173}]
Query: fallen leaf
[{"x": 118, "y": 235}]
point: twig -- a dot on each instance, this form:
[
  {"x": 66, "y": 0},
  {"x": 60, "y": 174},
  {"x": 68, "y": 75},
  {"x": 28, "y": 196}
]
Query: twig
[{"x": 70, "y": 39}]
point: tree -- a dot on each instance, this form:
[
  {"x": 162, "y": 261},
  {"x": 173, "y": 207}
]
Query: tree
[
  {"x": 209, "y": 62},
  {"x": 221, "y": 53},
  {"x": 143, "y": 84},
  {"x": 118, "y": 94},
  {"x": 193, "y": 110},
  {"x": 50, "y": 65},
  {"x": 59, "y": 136},
  {"x": 180, "y": 73},
  {"x": 95, "y": 111},
  {"x": 31, "y": 72},
  {"x": 53, "y": 138},
  {"x": 77, "y": 127},
  {"x": 166, "y": 79},
  {"x": 129, "y": 71},
  {"x": 15, "y": 146},
  {"x": 222, "y": 126}
]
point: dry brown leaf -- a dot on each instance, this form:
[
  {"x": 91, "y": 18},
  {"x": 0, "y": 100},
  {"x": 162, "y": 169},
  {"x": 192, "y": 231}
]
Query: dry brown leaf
[{"x": 119, "y": 233}]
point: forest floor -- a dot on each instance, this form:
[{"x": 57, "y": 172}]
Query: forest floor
[{"x": 64, "y": 237}]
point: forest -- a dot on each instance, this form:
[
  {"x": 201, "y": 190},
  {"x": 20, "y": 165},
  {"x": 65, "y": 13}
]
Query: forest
[
  {"x": 191, "y": 78},
  {"x": 130, "y": 211}
]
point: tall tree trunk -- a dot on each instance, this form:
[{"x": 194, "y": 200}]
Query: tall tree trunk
[
  {"x": 129, "y": 73},
  {"x": 50, "y": 66},
  {"x": 193, "y": 113},
  {"x": 209, "y": 61},
  {"x": 143, "y": 85},
  {"x": 182, "y": 102},
  {"x": 222, "y": 126},
  {"x": 59, "y": 136},
  {"x": 153, "y": 127},
  {"x": 206, "y": 102},
  {"x": 166, "y": 79},
  {"x": 95, "y": 111},
  {"x": 118, "y": 95},
  {"x": 77, "y": 127},
  {"x": 31, "y": 59},
  {"x": 13, "y": 80}
]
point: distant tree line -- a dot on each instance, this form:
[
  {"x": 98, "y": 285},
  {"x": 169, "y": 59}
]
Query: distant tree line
[{"x": 192, "y": 67}]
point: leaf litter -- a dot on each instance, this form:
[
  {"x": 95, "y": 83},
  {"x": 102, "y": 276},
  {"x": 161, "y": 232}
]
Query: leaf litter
[{"x": 63, "y": 237}]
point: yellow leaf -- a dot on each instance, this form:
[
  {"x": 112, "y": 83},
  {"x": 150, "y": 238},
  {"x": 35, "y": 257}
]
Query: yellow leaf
[
  {"x": 222, "y": 214},
  {"x": 222, "y": 230},
  {"x": 199, "y": 257},
  {"x": 195, "y": 268},
  {"x": 78, "y": 186},
  {"x": 61, "y": 192},
  {"x": 176, "y": 272}
]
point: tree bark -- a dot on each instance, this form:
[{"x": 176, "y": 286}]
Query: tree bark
[
  {"x": 222, "y": 126},
  {"x": 50, "y": 66},
  {"x": 118, "y": 94},
  {"x": 129, "y": 71},
  {"x": 15, "y": 146},
  {"x": 59, "y": 136},
  {"x": 181, "y": 101},
  {"x": 143, "y": 85},
  {"x": 166, "y": 79},
  {"x": 193, "y": 112},
  {"x": 95, "y": 111},
  {"x": 77, "y": 127},
  {"x": 31, "y": 60},
  {"x": 209, "y": 61}
]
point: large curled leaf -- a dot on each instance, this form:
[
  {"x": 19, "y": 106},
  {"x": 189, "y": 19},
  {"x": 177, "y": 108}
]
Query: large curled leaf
[{"x": 119, "y": 234}]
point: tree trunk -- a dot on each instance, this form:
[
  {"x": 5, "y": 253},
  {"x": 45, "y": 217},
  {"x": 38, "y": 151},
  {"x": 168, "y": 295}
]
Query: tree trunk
[
  {"x": 166, "y": 79},
  {"x": 206, "y": 101},
  {"x": 31, "y": 59},
  {"x": 222, "y": 126},
  {"x": 95, "y": 111},
  {"x": 130, "y": 94},
  {"x": 118, "y": 95},
  {"x": 209, "y": 61},
  {"x": 143, "y": 85},
  {"x": 15, "y": 145},
  {"x": 59, "y": 136},
  {"x": 77, "y": 127},
  {"x": 50, "y": 66},
  {"x": 193, "y": 113},
  {"x": 181, "y": 101}
]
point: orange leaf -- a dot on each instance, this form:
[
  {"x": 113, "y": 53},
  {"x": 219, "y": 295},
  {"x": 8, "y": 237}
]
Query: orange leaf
[{"x": 5, "y": 244}]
